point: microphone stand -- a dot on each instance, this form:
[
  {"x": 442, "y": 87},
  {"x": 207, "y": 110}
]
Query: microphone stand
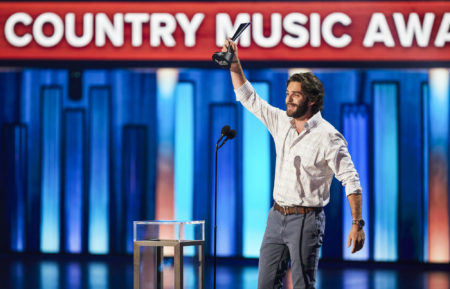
[
  {"x": 215, "y": 215},
  {"x": 228, "y": 135}
]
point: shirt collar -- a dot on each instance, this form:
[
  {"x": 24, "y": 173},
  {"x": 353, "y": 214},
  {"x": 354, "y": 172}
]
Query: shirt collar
[{"x": 312, "y": 122}]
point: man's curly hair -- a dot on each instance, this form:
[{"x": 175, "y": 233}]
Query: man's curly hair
[{"x": 312, "y": 88}]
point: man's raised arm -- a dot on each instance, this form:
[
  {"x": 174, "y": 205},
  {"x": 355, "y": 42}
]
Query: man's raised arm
[{"x": 237, "y": 74}]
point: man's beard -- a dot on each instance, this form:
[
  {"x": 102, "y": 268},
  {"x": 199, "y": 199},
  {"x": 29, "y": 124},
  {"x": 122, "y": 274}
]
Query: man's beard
[{"x": 300, "y": 111}]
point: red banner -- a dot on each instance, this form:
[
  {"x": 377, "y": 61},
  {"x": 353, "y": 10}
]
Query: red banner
[{"x": 192, "y": 31}]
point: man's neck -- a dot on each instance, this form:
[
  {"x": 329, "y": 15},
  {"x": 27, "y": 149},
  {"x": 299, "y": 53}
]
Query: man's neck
[{"x": 300, "y": 122}]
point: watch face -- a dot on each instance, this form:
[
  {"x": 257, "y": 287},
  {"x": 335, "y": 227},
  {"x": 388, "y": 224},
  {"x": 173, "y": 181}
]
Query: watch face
[{"x": 360, "y": 223}]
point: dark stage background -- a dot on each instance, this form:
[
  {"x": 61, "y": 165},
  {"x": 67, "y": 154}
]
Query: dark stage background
[{"x": 84, "y": 157}]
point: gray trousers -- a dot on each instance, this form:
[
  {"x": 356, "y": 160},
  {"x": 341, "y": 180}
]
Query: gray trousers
[{"x": 294, "y": 238}]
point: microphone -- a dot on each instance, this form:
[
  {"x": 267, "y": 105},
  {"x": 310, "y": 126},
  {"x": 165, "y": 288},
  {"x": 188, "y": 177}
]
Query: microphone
[
  {"x": 230, "y": 135},
  {"x": 224, "y": 132}
]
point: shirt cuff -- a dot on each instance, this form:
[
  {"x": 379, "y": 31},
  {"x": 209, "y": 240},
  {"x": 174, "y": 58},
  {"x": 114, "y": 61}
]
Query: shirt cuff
[
  {"x": 244, "y": 91},
  {"x": 353, "y": 188}
]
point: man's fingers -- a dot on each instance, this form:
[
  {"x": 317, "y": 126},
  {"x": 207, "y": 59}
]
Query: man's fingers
[
  {"x": 225, "y": 46},
  {"x": 349, "y": 241},
  {"x": 361, "y": 243},
  {"x": 231, "y": 43},
  {"x": 361, "y": 240},
  {"x": 358, "y": 244},
  {"x": 233, "y": 46}
]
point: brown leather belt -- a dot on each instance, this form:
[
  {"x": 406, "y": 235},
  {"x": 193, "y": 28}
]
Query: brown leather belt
[{"x": 294, "y": 210}]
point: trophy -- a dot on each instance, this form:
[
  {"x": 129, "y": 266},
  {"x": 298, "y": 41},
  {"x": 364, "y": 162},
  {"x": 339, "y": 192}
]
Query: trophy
[{"x": 224, "y": 59}]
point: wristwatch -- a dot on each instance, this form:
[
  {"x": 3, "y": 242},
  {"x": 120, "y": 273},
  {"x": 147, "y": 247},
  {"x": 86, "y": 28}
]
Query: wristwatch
[{"x": 359, "y": 222}]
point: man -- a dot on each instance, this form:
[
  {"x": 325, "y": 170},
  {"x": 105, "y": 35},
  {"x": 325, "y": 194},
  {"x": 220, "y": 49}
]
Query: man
[{"x": 309, "y": 152}]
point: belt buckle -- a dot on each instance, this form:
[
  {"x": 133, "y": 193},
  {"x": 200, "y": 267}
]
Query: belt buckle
[{"x": 284, "y": 209}]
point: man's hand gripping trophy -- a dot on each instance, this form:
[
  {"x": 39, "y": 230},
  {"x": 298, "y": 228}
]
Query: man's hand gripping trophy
[{"x": 225, "y": 58}]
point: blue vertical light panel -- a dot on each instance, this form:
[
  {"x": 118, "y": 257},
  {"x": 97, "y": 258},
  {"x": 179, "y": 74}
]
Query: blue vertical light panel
[
  {"x": 165, "y": 101},
  {"x": 385, "y": 114},
  {"x": 438, "y": 211},
  {"x": 410, "y": 206},
  {"x": 50, "y": 181},
  {"x": 184, "y": 157},
  {"x": 99, "y": 170},
  {"x": 425, "y": 131},
  {"x": 184, "y": 151},
  {"x": 133, "y": 177},
  {"x": 14, "y": 149},
  {"x": 227, "y": 203},
  {"x": 356, "y": 131},
  {"x": 256, "y": 177},
  {"x": 73, "y": 179}
]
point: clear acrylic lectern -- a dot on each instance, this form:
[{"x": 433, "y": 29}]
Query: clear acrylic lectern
[{"x": 168, "y": 254}]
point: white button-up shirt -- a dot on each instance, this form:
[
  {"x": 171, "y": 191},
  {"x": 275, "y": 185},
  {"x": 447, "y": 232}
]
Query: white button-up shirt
[{"x": 305, "y": 162}]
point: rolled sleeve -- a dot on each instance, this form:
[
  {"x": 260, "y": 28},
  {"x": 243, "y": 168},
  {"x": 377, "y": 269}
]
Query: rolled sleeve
[
  {"x": 341, "y": 164},
  {"x": 244, "y": 92},
  {"x": 353, "y": 188}
]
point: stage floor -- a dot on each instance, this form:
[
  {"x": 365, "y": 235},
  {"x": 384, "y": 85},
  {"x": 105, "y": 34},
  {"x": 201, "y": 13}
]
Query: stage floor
[{"x": 116, "y": 272}]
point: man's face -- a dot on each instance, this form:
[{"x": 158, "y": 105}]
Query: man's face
[{"x": 296, "y": 102}]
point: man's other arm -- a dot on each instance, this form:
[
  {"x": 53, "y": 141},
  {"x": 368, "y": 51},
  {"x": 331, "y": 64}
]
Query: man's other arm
[{"x": 340, "y": 162}]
